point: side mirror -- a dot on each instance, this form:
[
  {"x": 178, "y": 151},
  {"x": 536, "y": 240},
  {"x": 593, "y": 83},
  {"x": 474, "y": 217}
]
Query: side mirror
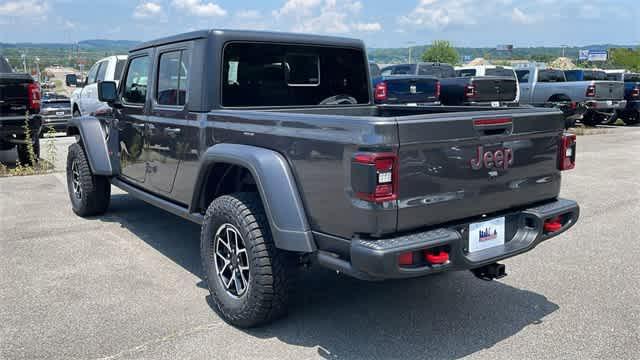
[{"x": 107, "y": 91}]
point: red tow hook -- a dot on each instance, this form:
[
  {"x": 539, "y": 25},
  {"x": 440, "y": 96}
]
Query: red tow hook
[
  {"x": 553, "y": 224},
  {"x": 438, "y": 258}
]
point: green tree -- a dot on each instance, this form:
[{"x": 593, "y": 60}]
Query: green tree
[
  {"x": 441, "y": 51},
  {"x": 625, "y": 58}
]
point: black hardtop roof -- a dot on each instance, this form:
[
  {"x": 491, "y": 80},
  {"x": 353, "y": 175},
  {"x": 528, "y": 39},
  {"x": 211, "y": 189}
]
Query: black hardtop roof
[{"x": 226, "y": 35}]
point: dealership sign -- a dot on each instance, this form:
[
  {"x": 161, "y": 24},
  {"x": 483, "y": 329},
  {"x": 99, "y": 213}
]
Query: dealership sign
[{"x": 593, "y": 55}]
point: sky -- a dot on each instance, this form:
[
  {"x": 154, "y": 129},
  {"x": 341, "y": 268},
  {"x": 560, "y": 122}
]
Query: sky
[{"x": 387, "y": 23}]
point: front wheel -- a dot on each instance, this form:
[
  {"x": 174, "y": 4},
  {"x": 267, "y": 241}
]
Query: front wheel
[
  {"x": 89, "y": 194},
  {"x": 248, "y": 277}
]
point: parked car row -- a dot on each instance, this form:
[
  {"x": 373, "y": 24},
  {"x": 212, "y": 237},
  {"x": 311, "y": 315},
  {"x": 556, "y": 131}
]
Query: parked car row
[{"x": 591, "y": 96}]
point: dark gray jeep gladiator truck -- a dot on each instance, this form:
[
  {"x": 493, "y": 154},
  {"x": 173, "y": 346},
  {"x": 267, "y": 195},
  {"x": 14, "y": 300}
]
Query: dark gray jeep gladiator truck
[
  {"x": 231, "y": 130},
  {"x": 19, "y": 100}
]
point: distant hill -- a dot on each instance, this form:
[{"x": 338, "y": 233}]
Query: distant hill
[
  {"x": 400, "y": 55},
  {"x": 97, "y": 44}
]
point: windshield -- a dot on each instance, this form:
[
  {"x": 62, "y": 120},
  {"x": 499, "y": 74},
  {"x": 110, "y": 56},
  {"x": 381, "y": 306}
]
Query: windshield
[
  {"x": 439, "y": 71},
  {"x": 632, "y": 78},
  {"x": 500, "y": 72},
  {"x": 595, "y": 75},
  {"x": 551, "y": 76}
]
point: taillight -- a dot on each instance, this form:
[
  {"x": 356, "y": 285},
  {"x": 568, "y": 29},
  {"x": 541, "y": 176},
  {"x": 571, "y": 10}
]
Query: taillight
[
  {"x": 469, "y": 91},
  {"x": 635, "y": 92},
  {"x": 567, "y": 152},
  {"x": 438, "y": 89},
  {"x": 380, "y": 93},
  {"x": 33, "y": 90},
  {"x": 591, "y": 91},
  {"x": 375, "y": 176}
]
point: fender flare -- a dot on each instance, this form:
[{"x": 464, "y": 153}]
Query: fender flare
[
  {"x": 276, "y": 186},
  {"x": 95, "y": 146}
]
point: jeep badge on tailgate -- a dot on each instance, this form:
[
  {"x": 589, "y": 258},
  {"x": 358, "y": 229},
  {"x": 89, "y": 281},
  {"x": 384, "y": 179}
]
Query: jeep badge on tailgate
[{"x": 498, "y": 159}]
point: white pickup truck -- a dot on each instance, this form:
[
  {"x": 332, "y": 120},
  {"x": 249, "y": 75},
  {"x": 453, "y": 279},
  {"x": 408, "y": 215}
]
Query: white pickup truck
[{"x": 84, "y": 100}]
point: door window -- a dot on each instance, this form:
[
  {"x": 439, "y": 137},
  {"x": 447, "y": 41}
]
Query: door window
[
  {"x": 91, "y": 77},
  {"x": 173, "y": 78},
  {"x": 135, "y": 90},
  {"x": 102, "y": 71}
]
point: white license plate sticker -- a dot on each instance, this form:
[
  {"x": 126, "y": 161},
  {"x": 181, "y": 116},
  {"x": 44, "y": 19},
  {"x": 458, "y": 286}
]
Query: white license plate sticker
[
  {"x": 486, "y": 234},
  {"x": 495, "y": 104},
  {"x": 412, "y": 104}
]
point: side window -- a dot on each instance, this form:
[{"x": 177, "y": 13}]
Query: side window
[
  {"x": 173, "y": 77},
  {"x": 523, "y": 76},
  {"x": 91, "y": 77},
  {"x": 102, "y": 71},
  {"x": 135, "y": 89}
]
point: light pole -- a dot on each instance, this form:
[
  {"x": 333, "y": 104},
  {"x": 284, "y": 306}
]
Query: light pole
[
  {"x": 24, "y": 62},
  {"x": 410, "y": 48},
  {"x": 563, "y": 47},
  {"x": 38, "y": 68}
]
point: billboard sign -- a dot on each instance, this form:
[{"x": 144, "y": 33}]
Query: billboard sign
[
  {"x": 597, "y": 55},
  {"x": 583, "y": 55},
  {"x": 504, "y": 47}
]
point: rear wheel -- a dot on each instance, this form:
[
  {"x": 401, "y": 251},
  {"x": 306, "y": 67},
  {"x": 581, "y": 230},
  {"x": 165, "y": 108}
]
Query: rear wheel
[
  {"x": 248, "y": 277},
  {"x": 89, "y": 194},
  {"x": 591, "y": 118},
  {"x": 632, "y": 119}
]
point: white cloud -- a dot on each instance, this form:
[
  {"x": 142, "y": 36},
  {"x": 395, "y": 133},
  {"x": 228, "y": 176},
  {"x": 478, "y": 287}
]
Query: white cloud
[
  {"x": 374, "y": 26},
  {"x": 199, "y": 8},
  {"x": 248, "y": 14},
  {"x": 437, "y": 14},
  {"x": 24, "y": 8},
  {"x": 147, "y": 10},
  {"x": 323, "y": 16},
  {"x": 297, "y": 7},
  {"x": 519, "y": 17}
]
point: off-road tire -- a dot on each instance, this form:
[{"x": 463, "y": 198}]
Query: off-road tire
[
  {"x": 271, "y": 270},
  {"x": 23, "y": 152},
  {"x": 95, "y": 190}
]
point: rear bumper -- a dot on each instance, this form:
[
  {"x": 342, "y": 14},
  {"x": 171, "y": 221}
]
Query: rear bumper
[
  {"x": 12, "y": 128},
  {"x": 56, "y": 122},
  {"x": 378, "y": 259},
  {"x": 605, "y": 106}
]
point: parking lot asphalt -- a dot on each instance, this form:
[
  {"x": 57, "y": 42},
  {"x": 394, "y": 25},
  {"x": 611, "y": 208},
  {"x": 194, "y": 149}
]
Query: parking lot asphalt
[{"x": 128, "y": 285}]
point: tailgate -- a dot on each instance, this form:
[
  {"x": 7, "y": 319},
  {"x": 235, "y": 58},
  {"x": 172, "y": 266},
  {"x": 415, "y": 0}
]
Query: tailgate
[
  {"x": 14, "y": 97},
  {"x": 609, "y": 90},
  {"x": 494, "y": 88},
  {"x": 411, "y": 89},
  {"x": 441, "y": 178}
]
